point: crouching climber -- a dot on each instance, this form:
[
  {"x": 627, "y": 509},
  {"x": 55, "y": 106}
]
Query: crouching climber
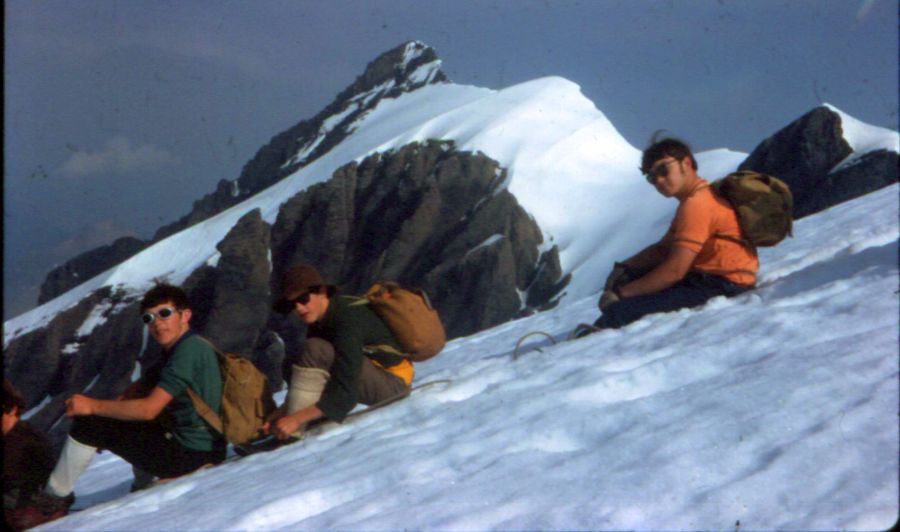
[{"x": 350, "y": 355}]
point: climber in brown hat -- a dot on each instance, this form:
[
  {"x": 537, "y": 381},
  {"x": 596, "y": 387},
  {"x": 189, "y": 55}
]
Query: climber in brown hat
[{"x": 349, "y": 357}]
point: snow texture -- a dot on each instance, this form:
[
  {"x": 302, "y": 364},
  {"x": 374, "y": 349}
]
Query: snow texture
[{"x": 776, "y": 409}]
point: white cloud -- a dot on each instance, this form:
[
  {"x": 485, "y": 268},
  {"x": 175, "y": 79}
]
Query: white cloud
[{"x": 117, "y": 155}]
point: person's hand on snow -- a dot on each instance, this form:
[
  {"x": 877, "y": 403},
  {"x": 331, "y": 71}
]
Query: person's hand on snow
[
  {"x": 608, "y": 298},
  {"x": 619, "y": 275},
  {"x": 276, "y": 414},
  {"x": 285, "y": 427}
]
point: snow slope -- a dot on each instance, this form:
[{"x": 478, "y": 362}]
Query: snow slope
[
  {"x": 777, "y": 409},
  {"x": 567, "y": 166}
]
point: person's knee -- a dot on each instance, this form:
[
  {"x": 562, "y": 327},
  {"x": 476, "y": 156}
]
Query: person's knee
[
  {"x": 317, "y": 353},
  {"x": 87, "y": 430}
]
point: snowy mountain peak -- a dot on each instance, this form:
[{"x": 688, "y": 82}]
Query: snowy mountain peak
[
  {"x": 864, "y": 138},
  {"x": 403, "y": 69},
  {"x": 428, "y": 68}
]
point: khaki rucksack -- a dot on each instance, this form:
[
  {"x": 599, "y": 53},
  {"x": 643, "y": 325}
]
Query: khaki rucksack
[
  {"x": 246, "y": 399},
  {"x": 764, "y": 206},
  {"x": 410, "y": 317}
]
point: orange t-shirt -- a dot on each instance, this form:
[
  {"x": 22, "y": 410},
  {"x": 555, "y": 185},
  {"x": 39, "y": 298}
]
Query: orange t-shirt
[{"x": 700, "y": 222}]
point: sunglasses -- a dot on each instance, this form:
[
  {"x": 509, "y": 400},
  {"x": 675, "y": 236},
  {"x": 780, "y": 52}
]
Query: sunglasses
[
  {"x": 302, "y": 299},
  {"x": 660, "y": 171},
  {"x": 163, "y": 314}
]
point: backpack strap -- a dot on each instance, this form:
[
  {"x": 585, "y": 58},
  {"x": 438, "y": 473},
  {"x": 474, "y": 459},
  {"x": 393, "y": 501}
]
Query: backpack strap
[
  {"x": 203, "y": 409},
  {"x": 376, "y": 348},
  {"x": 206, "y": 412},
  {"x": 736, "y": 239},
  {"x": 383, "y": 348}
]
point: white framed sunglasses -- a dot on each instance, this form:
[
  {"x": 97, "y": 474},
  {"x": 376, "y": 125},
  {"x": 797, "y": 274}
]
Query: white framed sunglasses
[{"x": 163, "y": 314}]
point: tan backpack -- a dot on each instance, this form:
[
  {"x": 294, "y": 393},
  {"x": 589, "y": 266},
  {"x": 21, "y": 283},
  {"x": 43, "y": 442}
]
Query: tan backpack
[
  {"x": 410, "y": 317},
  {"x": 764, "y": 206},
  {"x": 246, "y": 399}
]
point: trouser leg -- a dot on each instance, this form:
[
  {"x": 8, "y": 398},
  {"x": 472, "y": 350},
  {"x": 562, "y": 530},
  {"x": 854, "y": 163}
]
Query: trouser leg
[
  {"x": 375, "y": 384},
  {"x": 694, "y": 290},
  {"x": 305, "y": 390},
  {"x": 145, "y": 445},
  {"x": 306, "y": 387},
  {"x": 73, "y": 462},
  {"x": 142, "y": 479}
]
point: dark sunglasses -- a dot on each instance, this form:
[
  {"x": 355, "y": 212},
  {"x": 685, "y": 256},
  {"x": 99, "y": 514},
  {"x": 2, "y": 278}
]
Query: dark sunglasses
[
  {"x": 303, "y": 298},
  {"x": 163, "y": 314},
  {"x": 660, "y": 171}
]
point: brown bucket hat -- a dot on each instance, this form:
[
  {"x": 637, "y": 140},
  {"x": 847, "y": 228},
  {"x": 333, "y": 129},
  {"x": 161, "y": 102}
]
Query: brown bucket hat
[{"x": 297, "y": 280}]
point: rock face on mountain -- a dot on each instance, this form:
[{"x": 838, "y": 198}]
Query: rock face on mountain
[
  {"x": 87, "y": 265},
  {"x": 872, "y": 171},
  {"x": 232, "y": 300},
  {"x": 426, "y": 216},
  {"x": 405, "y": 68},
  {"x": 806, "y": 155},
  {"x": 64, "y": 357}
]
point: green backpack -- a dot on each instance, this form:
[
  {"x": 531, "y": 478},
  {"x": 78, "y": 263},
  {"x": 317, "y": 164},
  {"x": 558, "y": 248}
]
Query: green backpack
[
  {"x": 246, "y": 399},
  {"x": 764, "y": 206}
]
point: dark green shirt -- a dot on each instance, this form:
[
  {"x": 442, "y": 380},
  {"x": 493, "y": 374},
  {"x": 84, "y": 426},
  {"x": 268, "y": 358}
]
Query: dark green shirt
[
  {"x": 192, "y": 363},
  {"x": 350, "y": 327}
]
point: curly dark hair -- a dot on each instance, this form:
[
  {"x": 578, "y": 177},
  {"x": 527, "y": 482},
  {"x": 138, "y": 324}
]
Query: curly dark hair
[{"x": 668, "y": 146}]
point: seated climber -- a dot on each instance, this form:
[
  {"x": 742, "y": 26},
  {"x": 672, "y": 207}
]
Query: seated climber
[
  {"x": 129, "y": 426},
  {"x": 350, "y": 355},
  {"x": 28, "y": 459},
  {"x": 700, "y": 257}
]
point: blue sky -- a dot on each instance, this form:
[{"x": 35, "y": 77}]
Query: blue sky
[{"x": 118, "y": 115}]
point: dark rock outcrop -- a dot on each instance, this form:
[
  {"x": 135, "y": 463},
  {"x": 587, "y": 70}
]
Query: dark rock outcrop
[
  {"x": 805, "y": 155},
  {"x": 426, "y": 216},
  {"x": 81, "y": 268},
  {"x": 232, "y": 300},
  {"x": 872, "y": 171},
  {"x": 57, "y": 361}
]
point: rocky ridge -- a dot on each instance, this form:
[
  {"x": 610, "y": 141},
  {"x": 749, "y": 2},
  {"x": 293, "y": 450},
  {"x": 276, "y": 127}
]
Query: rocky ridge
[
  {"x": 808, "y": 153},
  {"x": 403, "y": 69}
]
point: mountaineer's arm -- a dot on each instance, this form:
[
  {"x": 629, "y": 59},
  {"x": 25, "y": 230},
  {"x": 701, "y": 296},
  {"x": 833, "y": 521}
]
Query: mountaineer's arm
[{"x": 127, "y": 409}]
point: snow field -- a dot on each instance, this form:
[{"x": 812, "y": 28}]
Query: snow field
[{"x": 777, "y": 409}]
